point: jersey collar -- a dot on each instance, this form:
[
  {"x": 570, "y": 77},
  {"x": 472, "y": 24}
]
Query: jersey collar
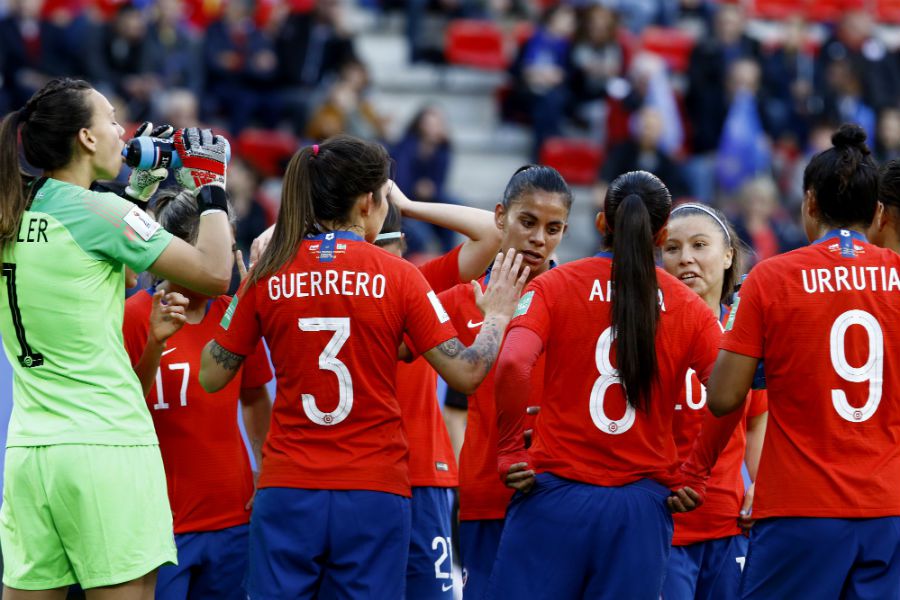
[
  {"x": 842, "y": 233},
  {"x": 336, "y": 235}
]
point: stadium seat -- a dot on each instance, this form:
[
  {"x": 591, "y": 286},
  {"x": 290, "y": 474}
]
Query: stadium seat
[
  {"x": 777, "y": 9},
  {"x": 266, "y": 150},
  {"x": 477, "y": 44},
  {"x": 522, "y": 32},
  {"x": 887, "y": 11},
  {"x": 578, "y": 161},
  {"x": 673, "y": 45}
]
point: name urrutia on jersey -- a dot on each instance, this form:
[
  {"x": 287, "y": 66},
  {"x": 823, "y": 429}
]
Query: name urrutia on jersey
[{"x": 840, "y": 279}]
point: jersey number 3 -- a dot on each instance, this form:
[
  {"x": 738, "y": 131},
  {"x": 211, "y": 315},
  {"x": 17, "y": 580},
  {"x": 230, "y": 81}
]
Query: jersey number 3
[
  {"x": 608, "y": 376},
  {"x": 328, "y": 361},
  {"x": 29, "y": 358}
]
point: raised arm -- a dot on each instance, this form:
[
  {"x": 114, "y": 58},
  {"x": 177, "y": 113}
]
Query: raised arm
[
  {"x": 477, "y": 225},
  {"x": 167, "y": 316},
  {"x": 206, "y": 267},
  {"x": 465, "y": 368}
]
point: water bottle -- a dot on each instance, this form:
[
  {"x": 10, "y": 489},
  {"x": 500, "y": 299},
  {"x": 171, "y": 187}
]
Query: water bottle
[{"x": 151, "y": 153}]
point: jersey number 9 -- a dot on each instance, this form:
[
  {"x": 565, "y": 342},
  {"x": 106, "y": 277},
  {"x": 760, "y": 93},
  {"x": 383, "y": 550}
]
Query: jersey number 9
[{"x": 871, "y": 371}]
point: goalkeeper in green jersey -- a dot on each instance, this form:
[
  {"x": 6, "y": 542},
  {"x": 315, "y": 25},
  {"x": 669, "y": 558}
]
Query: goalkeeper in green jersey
[{"x": 84, "y": 494}]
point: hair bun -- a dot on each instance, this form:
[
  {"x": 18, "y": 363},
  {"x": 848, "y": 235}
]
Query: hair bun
[{"x": 850, "y": 136}]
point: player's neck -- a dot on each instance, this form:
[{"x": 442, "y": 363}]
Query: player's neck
[
  {"x": 824, "y": 228},
  {"x": 76, "y": 173},
  {"x": 712, "y": 301}
]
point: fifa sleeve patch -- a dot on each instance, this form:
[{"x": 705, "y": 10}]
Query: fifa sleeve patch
[
  {"x": 442, "y": 315},
  {"x": 524, "y": 304},
  {"x": 142, "y": 223},
  {"x": 730, "y": 323},
  {"x": 225, "y": 323}
]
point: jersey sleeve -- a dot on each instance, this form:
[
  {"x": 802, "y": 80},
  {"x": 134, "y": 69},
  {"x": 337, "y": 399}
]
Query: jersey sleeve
[
  {"x": 442, "y": 273},
  {"x": 533, "y": 311},
  {"x": 116, "y": 230},
  {"x": 426, "y": 323},
  {"x": 135, "y": 328},
  {"x": 240, "y": 324},
  {"x": 705, "y": 344},
  {"x": 256, "y": 370},
  {"x": 744, "y": 330},
  {"x": 759, "y": 403}
]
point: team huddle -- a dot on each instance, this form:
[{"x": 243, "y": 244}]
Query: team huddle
[{"x": 609, "y": 404}]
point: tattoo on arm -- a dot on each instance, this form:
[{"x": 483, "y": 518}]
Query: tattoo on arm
[
  {"x": 486, "y": 346},
  {"x": 225, "y": 359},
  {"x": 452, "y": 347}
]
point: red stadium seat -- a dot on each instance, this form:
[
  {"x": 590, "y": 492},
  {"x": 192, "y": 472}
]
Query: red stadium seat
[
  {"x": 266, "y": 150},
  {"x": 673, "y": 45},
  {"x": 522, "y": 32},
  {"x": 478, "y": 44},
  {"x": 887, "y": 11},
  {"x": 777, "y": 9},
  {"x": 578, "y": 161}
]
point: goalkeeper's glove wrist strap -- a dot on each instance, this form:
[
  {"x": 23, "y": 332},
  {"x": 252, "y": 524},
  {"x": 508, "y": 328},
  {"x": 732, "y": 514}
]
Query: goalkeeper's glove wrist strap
[{"x": 211, "y": 197}]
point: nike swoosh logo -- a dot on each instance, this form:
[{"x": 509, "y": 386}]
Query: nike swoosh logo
[
  {"x": 474, "y": 325},
  {"x": 167, "y": 351},
  {"x": 446, "y": 587}
]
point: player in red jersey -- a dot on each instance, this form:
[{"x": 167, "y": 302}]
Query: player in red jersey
[
  {"x": 432, "y": 465},
  {"x": 532, "y": 217},
  {"x": 331, "y": 517},
  {"x": 825, "y": 320},
  {"x": 207, "y": 468},
  {"x": 703, "y": 251},
  {"x": 885, "y": 229},
  {"x": 592, "y": 519}
]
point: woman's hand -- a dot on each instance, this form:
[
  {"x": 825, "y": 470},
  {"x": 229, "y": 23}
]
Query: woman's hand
[
  {"x": 520, "y": 478},
  {"x": 684, "y": 500},
  {"x": 167, "y": 315},
  {"x": 745, "y": 520}
]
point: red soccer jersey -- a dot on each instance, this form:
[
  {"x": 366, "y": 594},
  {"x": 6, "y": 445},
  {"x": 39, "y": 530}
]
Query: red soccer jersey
[
  {"x": 586, "y": 431},
  {"x": 333, "y": 319},
  {"x": 207, "y": 468},
  {"x": 717, "y": 516},
  {"x": 431, "y": 460},
  {"x": 826, "y": 321},
  {"x": 482, "y": 494}
]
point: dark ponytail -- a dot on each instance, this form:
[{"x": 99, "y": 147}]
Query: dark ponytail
[
  {"x": 637, "y": 207},
  {"x": 321, "y": 183},
  {"x": 50, "y": 120},
  {"x": 529, "y": 179},
  {"x": 844, "y": 179}
]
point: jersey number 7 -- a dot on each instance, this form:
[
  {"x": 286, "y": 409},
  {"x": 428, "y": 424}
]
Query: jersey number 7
[{"x": 29, "y": 358}]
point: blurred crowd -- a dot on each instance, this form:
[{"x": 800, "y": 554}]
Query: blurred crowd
[{"x": 725, "y": 108}]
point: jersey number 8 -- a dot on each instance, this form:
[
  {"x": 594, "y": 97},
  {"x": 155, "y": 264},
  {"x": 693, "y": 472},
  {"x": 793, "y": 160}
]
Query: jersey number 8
[
  {"x": 872, "y": 370},
  {"x": 608, "y": 376},
  {"x": 328, "y": 361}
]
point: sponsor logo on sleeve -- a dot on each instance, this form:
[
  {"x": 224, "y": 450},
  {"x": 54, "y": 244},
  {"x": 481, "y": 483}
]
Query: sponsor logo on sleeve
[
  {"x": 442, "y": 315},
  {"x": 524, "y": 304},
  {"x": 142, "y": 223},
  {"x": 733, "y": 314}
]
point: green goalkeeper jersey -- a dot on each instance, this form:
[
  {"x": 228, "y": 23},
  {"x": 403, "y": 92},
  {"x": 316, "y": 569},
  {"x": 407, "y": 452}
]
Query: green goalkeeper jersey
[{"x": 62, "y": 297}]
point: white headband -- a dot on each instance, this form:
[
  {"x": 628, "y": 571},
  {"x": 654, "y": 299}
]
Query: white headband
[
  {"x": 705, "y": 209},
  {"x": 393, "y": 235}
]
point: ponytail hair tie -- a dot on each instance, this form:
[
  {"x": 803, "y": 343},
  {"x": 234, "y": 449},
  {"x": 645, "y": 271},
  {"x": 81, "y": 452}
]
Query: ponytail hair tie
[{"x": 315, "y": 149}]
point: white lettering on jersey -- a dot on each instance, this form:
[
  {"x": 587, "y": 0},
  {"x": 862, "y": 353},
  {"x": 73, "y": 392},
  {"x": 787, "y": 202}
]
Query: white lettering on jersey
[
  {"x": 329, "y": 283},
  {"x": 442, "y": 315},
  {"x": 603, "y": 293},
  {"x": 846, "y": 279}
]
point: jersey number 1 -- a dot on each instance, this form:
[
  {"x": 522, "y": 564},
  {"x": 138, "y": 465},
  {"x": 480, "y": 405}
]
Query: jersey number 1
[
  {"x": 29, "y": 358},
  {"x": 328, "y": 361}
]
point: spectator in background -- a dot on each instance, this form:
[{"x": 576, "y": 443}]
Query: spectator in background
[
  {"x": 347, "y": 108},
  {"x": 844, "y": 98},
  {"x": 599, "y": 57},
  {"x": 177, "y": 54},
  {"x": 422, "y": 158},
  {"x": 33, "y": 50},
  {"x": 651, "y": 86},
  {"x": 744, "y": 148},
  {"x": 241, "y": 69},
  {"x": 762, "y": 224},
  {"x": 865, "y": 55},
  {"x": 243, "y": 189},
  {"x": 789, "y": 79},
  {"x": 887, "y": 143},
  {"x": 179, "y": 108},
  {"x": 543, "y": 73},
  {"x": 311, "y": 50},
  {"x": 643, "y": 153},
  {"x": 707, "y": 97},
  {"x": 120, "y": 60}
]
